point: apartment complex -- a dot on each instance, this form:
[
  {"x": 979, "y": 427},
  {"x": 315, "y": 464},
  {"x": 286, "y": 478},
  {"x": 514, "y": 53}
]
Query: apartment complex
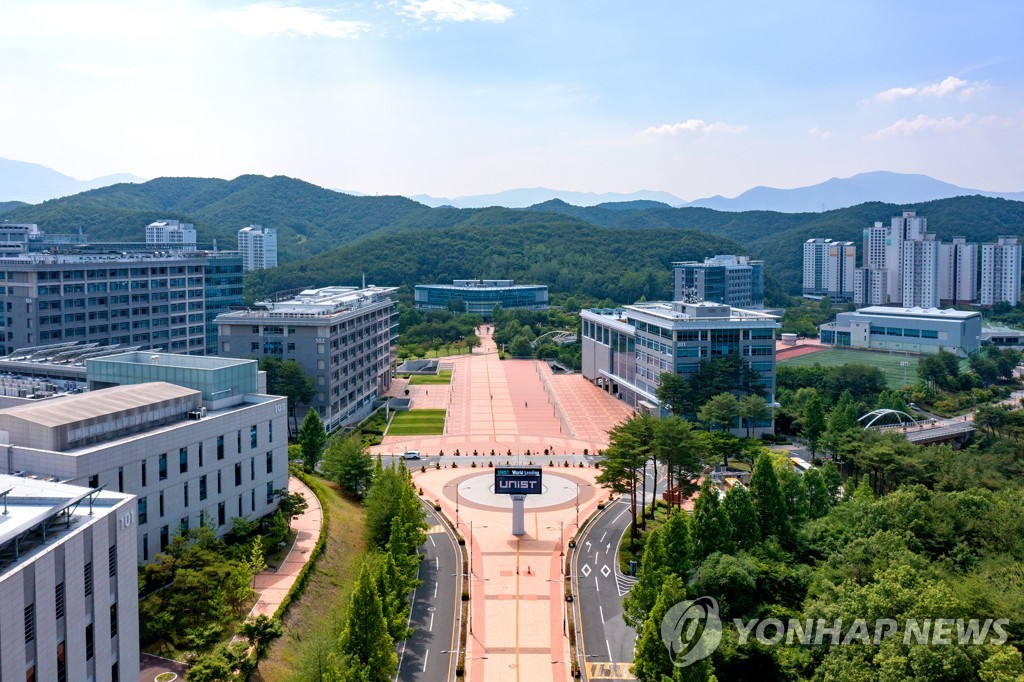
[
  {"x": 68, "y": 583},
  {"x": 626, "y": 350},
  {"x": 1000, "y": 272},
  {"x": 729, "y": 280},
  {"x": 480, "y": 296},
  {"x": 258, "y": 246},
  {"x": 172, "y": 235},
  {"x": 204, "y": 449},
  {"x": 151, "y": 299},
  {"x": 343, "y": 337},
  {"x": 829, "y": 269},
  {"x": 907, "y": 329},
  {"x": 958, "y": 281},
  {"x": 919, "y": 272}
]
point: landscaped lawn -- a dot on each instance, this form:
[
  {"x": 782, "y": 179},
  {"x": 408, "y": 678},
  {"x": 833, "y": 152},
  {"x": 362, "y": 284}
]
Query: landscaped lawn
[
  {"x": 443, "y": 377},
  {"x": 417, "y": 423},
  {"x": 896, "y": 375}
]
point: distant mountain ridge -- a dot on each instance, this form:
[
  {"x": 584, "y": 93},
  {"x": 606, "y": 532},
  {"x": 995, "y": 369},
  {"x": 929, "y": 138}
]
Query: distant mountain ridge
[
  {"x": 32, "y": 183},
  {"x": 524, "y": 198}
]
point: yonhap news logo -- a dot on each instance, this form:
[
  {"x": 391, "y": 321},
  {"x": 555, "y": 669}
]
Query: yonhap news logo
[{"x": 691, "y": 630}]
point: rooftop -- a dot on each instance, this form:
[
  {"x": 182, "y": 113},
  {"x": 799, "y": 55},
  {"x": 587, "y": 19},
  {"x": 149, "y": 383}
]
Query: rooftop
[
  {"x": 483, "y": 284},
  {"x": 702, "y": 311},
  {"x": 949, "y": 313},
  {"x": 208, "y": 362},
  {"x": 73, "y": 409},
  {"x": 315, "y": 303}
]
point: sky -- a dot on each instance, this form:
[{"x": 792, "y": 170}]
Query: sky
[{"x": 461, "y": 97}]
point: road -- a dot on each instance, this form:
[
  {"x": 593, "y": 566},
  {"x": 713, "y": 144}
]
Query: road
[
  {"x": 606, "y": 642},
  {"x": 429, "y": 653}
]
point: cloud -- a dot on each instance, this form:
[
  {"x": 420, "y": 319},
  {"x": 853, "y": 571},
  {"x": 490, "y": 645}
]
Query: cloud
[
  {"x": 268, "y": 19},
  {"x": 99, "y": 70},
  {"x": 457, "y": 10},
  {"x": 949, "y": 86},
  {"x": 693, "y": 125},
  {"x": 818, "y": 132},
  {"x": 923, "y": 124}
]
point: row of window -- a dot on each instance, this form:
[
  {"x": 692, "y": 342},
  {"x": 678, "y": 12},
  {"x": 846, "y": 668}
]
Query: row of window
[{"x": 143, "y": 501}]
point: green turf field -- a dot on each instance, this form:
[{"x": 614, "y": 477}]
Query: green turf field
[
  {"x": 895, "y": 374},
  {"x": 417, "y": 423},
  {"x": 442, "y": 377}
]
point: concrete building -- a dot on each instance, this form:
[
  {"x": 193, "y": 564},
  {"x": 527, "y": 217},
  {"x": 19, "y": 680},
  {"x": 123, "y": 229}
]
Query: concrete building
[
  {"x": 15, "y": 237},
  {"x": 829, "y": 269},
  {"x": 870, "y": 286},
  {"x": 626, "y": 350},
  {"x": 902, "y": 228},
  {"x": 958, "y": 272},
  {"x": 730, "y": 280},
  {"x": 876, "y": 240},
  {"x": 912, "y": 330},
  {"x": 1000, "y": 272},
  {"x": 152, "y": 299},
  {"x": 172, "y": 235},
  {"x": 343, "y": 337},
  {"x": 480, "y": 296},
  {"x": 920, "y": 272},
  {"x": 207, "y": 448},
  {"x": 68, "y": 583},
  {"x": 258, "y": 246}
]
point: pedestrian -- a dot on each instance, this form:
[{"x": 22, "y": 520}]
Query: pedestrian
[
  {"x": 526, "y": 404},
  {"x": 428, "y": 391}
]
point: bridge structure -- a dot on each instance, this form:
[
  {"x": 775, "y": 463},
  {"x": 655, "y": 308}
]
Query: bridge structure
[{"x": 956, "y": 432}]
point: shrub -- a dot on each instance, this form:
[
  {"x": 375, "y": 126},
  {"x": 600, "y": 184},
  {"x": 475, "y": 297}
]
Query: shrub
[
  {"x": 490, "y": 465},
  {"x": 492, "y": 452},
  {"x": 473, "y": 464}
]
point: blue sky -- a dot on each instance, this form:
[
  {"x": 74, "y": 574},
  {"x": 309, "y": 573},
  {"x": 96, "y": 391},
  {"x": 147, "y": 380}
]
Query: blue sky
[{"x": 458, "y": 97}]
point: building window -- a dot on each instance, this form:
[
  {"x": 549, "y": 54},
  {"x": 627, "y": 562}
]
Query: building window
[
  {"x": 165, "y": 537},
  {"x": 220, "y": 447},
  {"x": 113, "y": 619},
  {"x": 238, "y": 441},
  {"x": 58, "y": 600},
  {"x": 252, "y": 436},
  {"x": 94, "y": 481},
  {"x": 145, "y": 546},
  {"x": 120, "y": 479},
  {"x": 252, "y": 468},
  {"x": 87, "y": 572},
  {"x": 183, "y": 526},
  {"x": 238, "y": 474},
  {"x": 143, "y": 513},
  {"x": 270, "y": 492},
  {"x": 252, "y": 499},
  {"x": 161, "y": 504},
  {"x": 270, "y": 431},
  {"x": 143, "y": 473},
  {"x": 62, "y": 662},
  {"x": 270, "y": 462},
  {"x": 90, "y": 645},
  {"x": 185, "y": 489},
  {"x": 30, "y": 623},
  {"x": 202, "y": 487},
  {"x": 221, "y": 516},
  {"x": 182, "y": 460},
  {"x": 162, "y": 467},
  {"x": 112, "y": 561},
  {"x": 219, "y": 490},
  {"x": 200, "y": 454}
]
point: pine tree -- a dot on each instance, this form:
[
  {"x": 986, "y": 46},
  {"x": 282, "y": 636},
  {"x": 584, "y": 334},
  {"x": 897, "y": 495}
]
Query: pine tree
[
  {"x": 818, "y": 502},
  {"x": 312, "y": 439},
  {"x": 348, "y": 463},
  {"x": 651, "y": 660},
  {"x": 813, "y": 423},
  {"x": 769, "y": 500},
  {"x": 393, "y": 588},
  {"x": 739, "y": 509},
  {"x": 366, "y": 639},
  {"x": 653, "y": 569},
  {"x": 795, "y": 493},
  {"x": 711, "y": 530},
  {"x": 678, "y": 545}
]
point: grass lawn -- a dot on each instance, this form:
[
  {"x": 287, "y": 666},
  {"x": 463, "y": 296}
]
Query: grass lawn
[
  {"x": 443, "y": 377},
  {"x": 417, "y": 423},
  {"x": 895, "y": 374},
  {"x": 313, "y": 624}
]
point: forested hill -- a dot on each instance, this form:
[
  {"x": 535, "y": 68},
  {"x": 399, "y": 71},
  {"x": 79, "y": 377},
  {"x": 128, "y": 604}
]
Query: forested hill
[{"x": 569, "y": 256}]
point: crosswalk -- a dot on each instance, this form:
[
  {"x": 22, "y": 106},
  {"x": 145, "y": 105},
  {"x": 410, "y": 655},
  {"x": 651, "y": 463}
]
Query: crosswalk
[
  {"x": 624, "y": 583},
  {"x": 610, "y": 671}
]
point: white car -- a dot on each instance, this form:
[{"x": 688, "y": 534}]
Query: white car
[{"x": 411, "y": 454}]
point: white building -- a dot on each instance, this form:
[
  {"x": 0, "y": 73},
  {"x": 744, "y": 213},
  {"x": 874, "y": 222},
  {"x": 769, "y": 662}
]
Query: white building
[
  {"x": 903, "y": 228},
  {"x": 870, "y": 286},
  {"x": 875, "y": 240},
  {"x": 210, "y": 449},
  {"x": 176, "y": 236},
  {"x": 1000, "y": 271},
  {"x": 919, "y": 274},
  {"x": 68, "y": 583},
  {"x": 958, "y": 271},
  {"x": 829, "y": 269},
  {"x": 908, "y": 330},
  {"x": 258, "y": 246}
]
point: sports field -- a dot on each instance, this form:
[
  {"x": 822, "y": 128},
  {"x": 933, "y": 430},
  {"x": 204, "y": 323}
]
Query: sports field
[
  {"x": 895, "y": 374},
  {"x": 417, "y": 423}
]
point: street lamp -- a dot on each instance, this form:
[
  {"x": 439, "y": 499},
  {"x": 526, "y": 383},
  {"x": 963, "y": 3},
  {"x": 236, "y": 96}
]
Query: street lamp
[
  {"x": 456, "y": 486},
  {"x": 578, "y": 502}
]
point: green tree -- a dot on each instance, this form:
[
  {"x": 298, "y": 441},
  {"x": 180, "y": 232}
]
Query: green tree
[
  {"x": 212, "y": 666},
  {"x": 347, "y": 462},
  {"x": 813, "y": 424},
  {"x": 738, "y": 506},
  {"x": 769, "y": 500},
  {"x": 365, "y": 638},
  {"x": 290, "y": 504},
  {"x": 682, "y": 452},
  {"x": 653, "y": 569},
  {"x": 678, "y": 541},
  {"x": 818, "y": 502},
  {"x": 285, "y": 377},
  {"x": 393, "y": 588},
  {"x": 257, "y": 562},
  {"x": 752, "y": 409},
  {"x": 381, "y": 503},
  {"x": 260, "y": 632},
  {"x": 711, "y": 530},
  {"x": 651, "y": 662},
  {"x": 721, "y": 410},
  {"x": 623, "y": 459},
  {"x": 312, "y": 439}
]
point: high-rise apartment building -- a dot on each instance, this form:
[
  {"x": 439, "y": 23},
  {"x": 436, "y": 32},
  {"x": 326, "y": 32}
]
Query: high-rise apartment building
[
  {"x": 343, "y": 337},
  {"x": 958, "y": 271},
  {"x": 876, "y": 239},
  {"x": 829, "y": 269},
  {"x": 870, "y": 286},
  {"x": 172, "y": 235},
  {"x": 258, "y": 246},
  {"x": 1000, "y": 272},
  {"x": 920, "y": 272},
  {"x": 903, "y": 228},
  {"x": 727, "y": 279}
]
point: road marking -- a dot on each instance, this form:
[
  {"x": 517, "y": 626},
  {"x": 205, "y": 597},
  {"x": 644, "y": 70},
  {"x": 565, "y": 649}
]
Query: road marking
[
  {"x": 588, "y": 545},
  {"x": 585, "y": 570},
  {"x": 598, "y": 587},
  {"x": 430, "y": 627},
  {"x": 437, "y": 564},
  {"x": 605, "y": 571},
  {"x": 609, "y": 648},
  {"x": 620, "y": 514},
  {"x": 603, "y": 536},
  {"x": 431, "y": 538},
  {"x": 608, "y": 549},
  {"x": 601, "y": 609},
  {"x": 435, "y": 589},
  {"x": 609, "y": 671},
  {"x": 426, "y": 655}
]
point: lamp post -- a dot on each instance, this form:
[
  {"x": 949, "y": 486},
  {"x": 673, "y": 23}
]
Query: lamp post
[
  {"x": 578, "y": 502},
  {"x": 456, "y": 486}
]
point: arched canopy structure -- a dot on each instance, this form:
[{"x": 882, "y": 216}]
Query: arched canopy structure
[{"x": 875, "y": 416}]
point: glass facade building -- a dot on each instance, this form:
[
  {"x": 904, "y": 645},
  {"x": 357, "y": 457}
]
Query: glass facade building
[{"x": 480, "y": 296}]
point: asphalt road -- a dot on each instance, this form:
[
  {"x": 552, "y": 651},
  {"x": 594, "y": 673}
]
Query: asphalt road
[
  {"x": 607, "y": 643},
  {"x": 428, "y": 654}
]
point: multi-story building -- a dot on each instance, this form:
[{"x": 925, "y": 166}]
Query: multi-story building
[
  {"x": 258, "y": 246},
  {"x": 14, "y": 238},
  {"x": 870, "y": 286},
  {"x": 920, "y": 272},
  {"x": 903, "y": 228},
  {"x": 154, "y": 300},
  {"x": 829, "y": 269},
  {"x": 876, "y": 240},
  {"x": 204, "y": 449},
  {"x": 1000, "y": 272},
  {"x": 68, "y": 583},
  {"x": 626, "y": 350},
  {"x": 730, "y": 280},
  {"x": 958, "y": 271},
  {"x": 480, "y": 296},
  {"x": 343, "y": 337},
  {"x": 911, "y": 330},
  {"x": 172, "y": 235}
]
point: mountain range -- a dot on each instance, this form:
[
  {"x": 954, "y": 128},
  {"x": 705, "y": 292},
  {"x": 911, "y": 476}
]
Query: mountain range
[{"x": 32, "y": 183}]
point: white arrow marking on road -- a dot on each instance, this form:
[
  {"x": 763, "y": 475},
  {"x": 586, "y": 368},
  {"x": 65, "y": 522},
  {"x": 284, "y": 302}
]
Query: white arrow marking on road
[
  {"x": 588, "y": 545},
  {"x": 585, "y": 570},
  {"x": 608, "y": 549},
  {"x": 605, "y": 571}
]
